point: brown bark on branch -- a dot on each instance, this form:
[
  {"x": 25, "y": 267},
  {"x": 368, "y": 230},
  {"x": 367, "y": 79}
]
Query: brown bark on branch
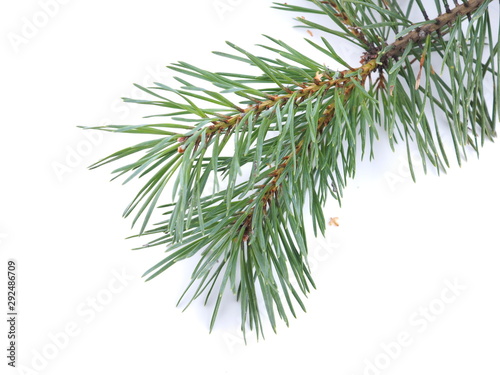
[{"x": 420, "y": 33}]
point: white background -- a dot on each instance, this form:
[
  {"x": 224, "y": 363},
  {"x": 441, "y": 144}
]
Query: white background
[{"x": 398, "y": 246}]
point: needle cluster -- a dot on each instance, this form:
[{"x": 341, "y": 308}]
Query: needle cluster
[{"x": 296, "y": 129}]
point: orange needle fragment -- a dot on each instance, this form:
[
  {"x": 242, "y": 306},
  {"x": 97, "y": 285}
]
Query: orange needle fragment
[{"x": 334, "y": 221}]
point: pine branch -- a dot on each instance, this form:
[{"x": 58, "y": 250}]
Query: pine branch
[
  {"x": 419, "y": 34},
  {"x": 300, "y": 137}
]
